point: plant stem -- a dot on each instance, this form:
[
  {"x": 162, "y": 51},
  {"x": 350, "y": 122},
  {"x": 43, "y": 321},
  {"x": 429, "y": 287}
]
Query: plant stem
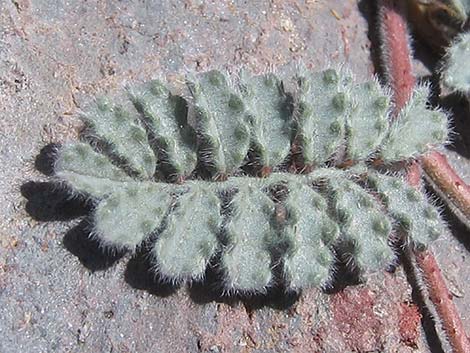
[
  {"x": 396, "y": 58},
  {"x": 397, "y": 63},
  {"x": 448, "y": 185},
  {"x": 442, "y": 299},
  {"x": 398, "y": 70}
]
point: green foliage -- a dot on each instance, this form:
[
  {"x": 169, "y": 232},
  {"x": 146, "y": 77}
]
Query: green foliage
[
  {"x": 125, "y": 217},
  {"x": 367, "y": 123},
  {"x": 257, "y": 234},
  {"x": 246, "y": 259},
  {"x": 87, "y": 171},
  {"x": 189, "y": 240},
  {"x": 269, "y": 117},
  {"x": 462, "y": 7},
  {"x": 465, "y": 5},
  {"x": 323, "y": 103},
  {"x": 409, "y": 135},
  {"x": 418, "y": 217},
  {"x": 221, "y": 122},
  {"x": 360, "y": 217},
  {"x": 456, "y": 72},
  {"x": 308, "y": 233},
  {"x": 127, "y": 139},
  {"x": 165, "y": 116}
]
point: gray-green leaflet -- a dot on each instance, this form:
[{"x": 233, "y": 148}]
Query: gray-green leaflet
[{"x": 187, "y": 171}]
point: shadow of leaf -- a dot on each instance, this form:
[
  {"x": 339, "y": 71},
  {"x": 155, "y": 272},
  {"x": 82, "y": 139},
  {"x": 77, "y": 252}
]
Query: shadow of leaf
[
  {"x": 139, "y": 275},
  {"x": 50, "y": 202},
  {"x": 211, "y": 290},
  {"x": 46, "y": 158},
  {"x": 88, "y": 250}
]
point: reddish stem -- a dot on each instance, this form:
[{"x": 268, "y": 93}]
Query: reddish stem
[
  {"x": 396, "y": 58},
  {"x": 398, "y": 69},
  {"x": 397, "y": 61},
  {"x": 265, "y": 171},
  {"x": 413, "y": 175},
  {"x": 442, "y": 299},
  {"x": 448, "y": 184}
]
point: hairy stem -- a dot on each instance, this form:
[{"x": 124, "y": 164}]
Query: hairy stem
[
  {"x": 397, "y": 62},
  {"x": 398, "y": 70},
  {"x": 448, "y": 185},
  {"x": 396, "y": 58},
  {"x": 442, "y": 299}
]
